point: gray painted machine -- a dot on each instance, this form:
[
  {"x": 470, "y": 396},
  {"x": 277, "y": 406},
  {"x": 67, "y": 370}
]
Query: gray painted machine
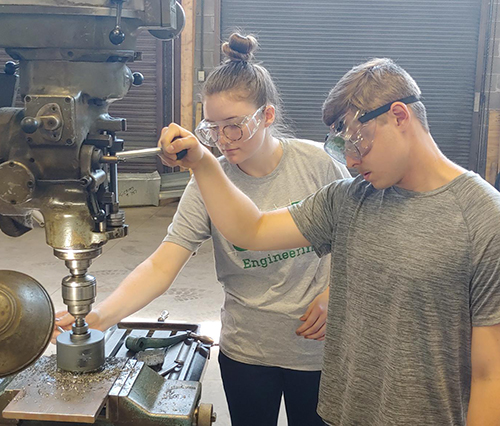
[{"x": 58, "y": 156}]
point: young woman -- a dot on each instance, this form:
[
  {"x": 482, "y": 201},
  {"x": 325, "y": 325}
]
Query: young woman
[{"x": 271, "y": 345}]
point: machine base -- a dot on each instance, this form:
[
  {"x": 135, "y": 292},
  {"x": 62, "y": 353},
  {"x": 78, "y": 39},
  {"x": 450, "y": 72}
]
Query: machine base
[{"x": 130, "y": 394}]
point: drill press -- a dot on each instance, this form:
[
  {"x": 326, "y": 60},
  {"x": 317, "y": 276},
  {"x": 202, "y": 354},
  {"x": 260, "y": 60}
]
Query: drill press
[{"x": 72, "y": 59}]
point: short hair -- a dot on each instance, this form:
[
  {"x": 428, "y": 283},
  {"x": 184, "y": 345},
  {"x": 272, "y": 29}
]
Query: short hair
[{"x": 370, "y": 85}]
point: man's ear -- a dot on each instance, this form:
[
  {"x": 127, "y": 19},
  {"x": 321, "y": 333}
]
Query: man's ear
[
  {"x": 269, "y": 115},
  {"x": 401, "y": 114}
]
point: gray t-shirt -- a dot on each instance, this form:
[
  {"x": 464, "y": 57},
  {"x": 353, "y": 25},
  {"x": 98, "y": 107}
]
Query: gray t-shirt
[
  {"x": 411, "y": 274},
  {"x": 266, "y": 292}
]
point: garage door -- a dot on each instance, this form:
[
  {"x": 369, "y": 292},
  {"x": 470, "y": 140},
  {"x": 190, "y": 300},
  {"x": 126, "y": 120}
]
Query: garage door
[{"x": 308, "y": 45}]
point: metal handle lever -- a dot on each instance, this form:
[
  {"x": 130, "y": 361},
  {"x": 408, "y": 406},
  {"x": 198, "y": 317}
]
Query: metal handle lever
[{"x": 137, "y": 153}]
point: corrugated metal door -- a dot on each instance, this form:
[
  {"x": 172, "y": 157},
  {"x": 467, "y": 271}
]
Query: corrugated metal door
[
  {"x": 308, "y": 45},
  {"x": 142, "y": 106}
]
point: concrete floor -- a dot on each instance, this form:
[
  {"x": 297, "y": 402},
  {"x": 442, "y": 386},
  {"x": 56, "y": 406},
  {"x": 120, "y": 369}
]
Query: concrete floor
[{"x": 195, "y": 297}]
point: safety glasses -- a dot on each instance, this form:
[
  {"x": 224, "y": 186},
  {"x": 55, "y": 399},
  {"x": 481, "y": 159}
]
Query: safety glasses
[
  {"x": 234, "y": 130},
  {"x": 353, "y": 135}
]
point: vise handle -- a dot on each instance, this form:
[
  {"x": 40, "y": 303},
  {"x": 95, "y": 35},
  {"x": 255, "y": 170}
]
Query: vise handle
[{"x": 137, "y": 344}]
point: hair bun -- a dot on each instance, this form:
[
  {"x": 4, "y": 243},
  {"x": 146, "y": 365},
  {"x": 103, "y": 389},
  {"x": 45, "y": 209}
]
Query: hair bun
[{"x": 240, "y": 48}]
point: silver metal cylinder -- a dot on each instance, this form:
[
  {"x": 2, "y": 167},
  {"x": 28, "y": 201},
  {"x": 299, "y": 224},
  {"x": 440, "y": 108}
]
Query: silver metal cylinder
[
  {"x": 80, "y": 354},
  {"x": 79, "y": 293}
]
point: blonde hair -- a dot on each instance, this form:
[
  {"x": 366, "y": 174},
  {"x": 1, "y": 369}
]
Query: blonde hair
[
  {"x": 371, "y": 85},
  {"x": 245, "y": 80}
]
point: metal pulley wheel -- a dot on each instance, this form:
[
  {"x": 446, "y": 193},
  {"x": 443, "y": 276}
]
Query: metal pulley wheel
[
  {"x": 205, "y": 415},
  {"x": 26, "y": 321}
]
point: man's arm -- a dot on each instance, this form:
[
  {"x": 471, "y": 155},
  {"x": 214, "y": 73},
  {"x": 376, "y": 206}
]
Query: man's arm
[
  {"x": 484, "y": 405},
  {"x": 231, "y": 211},
  {"x": 144, "y": 284}
]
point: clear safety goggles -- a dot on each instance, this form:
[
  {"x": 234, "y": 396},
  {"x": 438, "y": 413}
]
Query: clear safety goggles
[
  {"x": 353, "y": 137},
  {"x": 234, "y": 129}
]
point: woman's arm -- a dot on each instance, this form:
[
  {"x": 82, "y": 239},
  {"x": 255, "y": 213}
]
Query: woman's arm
[{"x": 144, "y": 284}]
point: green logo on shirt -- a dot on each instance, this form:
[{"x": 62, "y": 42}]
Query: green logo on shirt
[{"x": 264, "y": 262}]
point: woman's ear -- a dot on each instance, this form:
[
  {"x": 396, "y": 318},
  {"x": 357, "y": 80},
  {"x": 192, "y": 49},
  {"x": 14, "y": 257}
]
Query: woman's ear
[{"x": 269, "y": 115}]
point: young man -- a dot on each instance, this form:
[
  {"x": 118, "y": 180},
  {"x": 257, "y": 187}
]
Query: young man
[{"x": 413, "y": 334}]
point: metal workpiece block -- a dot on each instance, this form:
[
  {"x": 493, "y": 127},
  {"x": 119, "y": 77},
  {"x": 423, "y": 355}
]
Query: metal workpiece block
[{"x": 46, "y": 393}]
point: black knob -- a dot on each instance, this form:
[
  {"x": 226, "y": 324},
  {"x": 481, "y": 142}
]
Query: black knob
[
  {"x": 30, "y": 124},
  {"x": 10, "y": 68},
  {"x": 116, "y": 36},
  {"x": 138, "y": 79},
  {"x": 180, "y": 155},
  {"x": 99, "y": 216}
]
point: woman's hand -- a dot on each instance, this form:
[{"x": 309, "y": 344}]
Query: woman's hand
[
  {"x": 66, "y": 320},
  {"x": 314, "y": 326},
  {"x": 173, "y": 140}
]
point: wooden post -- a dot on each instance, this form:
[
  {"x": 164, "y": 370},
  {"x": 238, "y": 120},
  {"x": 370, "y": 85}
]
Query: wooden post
[
  {"x": 493, "y": 150},
  {"x": 187, "y": 64}
]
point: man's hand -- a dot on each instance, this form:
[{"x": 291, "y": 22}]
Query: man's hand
[
  {"x": 314, "y": 326},
  {"x": 175, "y": 139},
  {"x": 235, "y": 216},
  {"x": 65, "y": 321}
]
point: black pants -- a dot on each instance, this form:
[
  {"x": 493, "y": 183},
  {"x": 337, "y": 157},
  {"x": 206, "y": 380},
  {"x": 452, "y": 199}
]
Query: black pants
[{"x": 253, "y": 394}]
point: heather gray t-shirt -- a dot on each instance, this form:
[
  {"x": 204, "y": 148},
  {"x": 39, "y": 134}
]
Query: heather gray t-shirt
[
  {"x": 411, "y": 274},
  {"x": 266, "y": 292}
]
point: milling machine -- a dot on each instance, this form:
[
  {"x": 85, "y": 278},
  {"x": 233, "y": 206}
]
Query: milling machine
[{"x": 58, "y": 156}]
